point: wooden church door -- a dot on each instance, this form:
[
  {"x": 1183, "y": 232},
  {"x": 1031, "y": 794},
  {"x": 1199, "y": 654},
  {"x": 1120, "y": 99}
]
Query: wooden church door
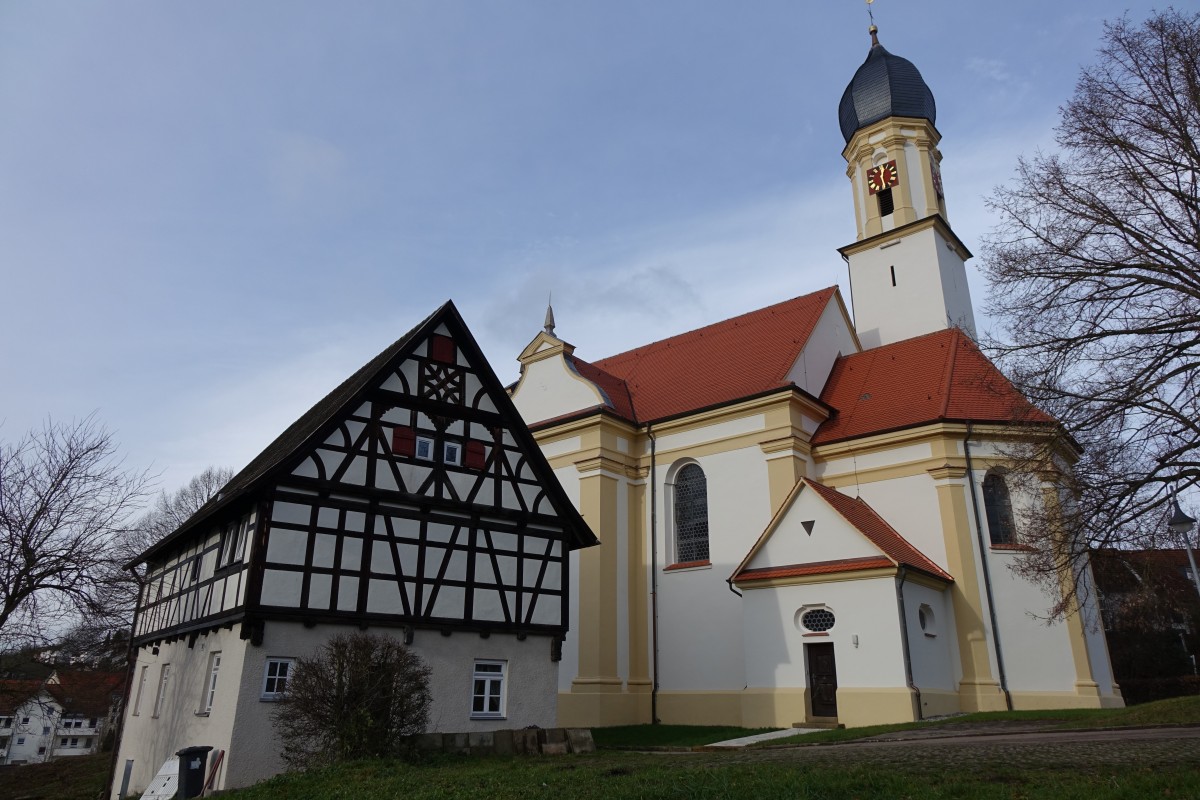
[{"x": 822, "y": 679}]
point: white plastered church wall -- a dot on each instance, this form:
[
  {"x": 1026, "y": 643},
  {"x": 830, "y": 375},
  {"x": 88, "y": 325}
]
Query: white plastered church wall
[
  {"x": 920, "y": 289},
  {"x": 830, "y": 338},
  {"x": 695, "y": 601},
  {"x": 550, "y": 388},
  {"x": 932, "y": 648},
  {"x": 865, "y": 609}
]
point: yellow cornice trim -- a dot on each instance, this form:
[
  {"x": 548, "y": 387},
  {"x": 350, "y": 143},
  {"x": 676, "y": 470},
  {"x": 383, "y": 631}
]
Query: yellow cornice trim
[{"x": 934, "y": 221}]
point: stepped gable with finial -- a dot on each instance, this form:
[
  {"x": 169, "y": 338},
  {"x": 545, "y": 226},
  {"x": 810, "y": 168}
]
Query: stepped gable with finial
[{"x": 886, "y": 85}]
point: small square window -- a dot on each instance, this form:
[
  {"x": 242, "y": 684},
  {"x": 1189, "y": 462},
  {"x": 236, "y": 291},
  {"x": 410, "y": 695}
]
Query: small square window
[
  {"x": 275, "y": 677},
  {"x": 24, "y": 720},
  {"x": 487, "y": 690},
  {"x": 452, "y": 453},
  {"x": 42, "y": 750},
  {"x": 61, "y": 742},
  {"x": 75, "y": 742},
  {"x": 424, "y": 448},
  {"x": 20, "y": 740},
  {"x": 45, "y": 730}
]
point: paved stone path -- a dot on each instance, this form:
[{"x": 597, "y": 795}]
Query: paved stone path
[{"x": 1136, "y": 747}]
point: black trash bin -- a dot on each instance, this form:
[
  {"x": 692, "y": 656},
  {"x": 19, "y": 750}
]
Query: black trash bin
[{"x": 193, "y": 762}]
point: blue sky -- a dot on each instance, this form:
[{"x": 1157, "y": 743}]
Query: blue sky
[{"x": 212, "y": 213}]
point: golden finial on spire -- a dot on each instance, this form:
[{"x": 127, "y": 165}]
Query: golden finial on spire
[{"x": 874, "y": 31}]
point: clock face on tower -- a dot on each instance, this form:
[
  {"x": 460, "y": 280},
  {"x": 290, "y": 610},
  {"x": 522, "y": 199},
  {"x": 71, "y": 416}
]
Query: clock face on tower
[{"x": 885, "y": 176}]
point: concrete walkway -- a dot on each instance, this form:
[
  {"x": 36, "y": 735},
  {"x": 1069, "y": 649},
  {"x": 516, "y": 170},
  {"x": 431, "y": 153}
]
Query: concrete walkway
[{"x": 733, "y": 744}]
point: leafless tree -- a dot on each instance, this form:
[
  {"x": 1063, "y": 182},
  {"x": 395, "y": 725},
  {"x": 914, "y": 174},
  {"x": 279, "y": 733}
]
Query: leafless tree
[
  {"x": 361, "y": 696},
  {"x": 65, "y": 502},
  {"x": 1095, "y": 277}
]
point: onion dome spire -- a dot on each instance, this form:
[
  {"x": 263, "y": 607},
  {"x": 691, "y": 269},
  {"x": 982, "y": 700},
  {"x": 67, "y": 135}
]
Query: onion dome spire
[{"x": 884, "y": 86}]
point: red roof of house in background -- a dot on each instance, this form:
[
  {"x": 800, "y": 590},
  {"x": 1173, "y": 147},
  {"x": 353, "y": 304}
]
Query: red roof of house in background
[
  {"x": 720, "y": 363},
  {"x": 939, "y": 376},
  {"x": 88, "y": 693},
  {"x": 15, "y": 692}
]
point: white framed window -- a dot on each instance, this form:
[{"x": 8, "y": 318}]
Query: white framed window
[
  {"x": 452, "y": 453},
  {"x": 487, "y": 693},
  {"x": 75, "y": 742},
  {"x": 424, "y": 448},
  {"x": 275, "y": 677},
  {"x": 62, "y": 742},
  {"x": 20, "y": 740},
  {"x": 24, "y": 720},
  {"x": 210, "y": 683},
  {"x": 137, "y": 699},
  {"x": 164, "y": 680}
]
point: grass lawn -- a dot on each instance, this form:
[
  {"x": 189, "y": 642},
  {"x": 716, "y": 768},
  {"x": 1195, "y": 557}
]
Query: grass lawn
[
  {"x": 617, "y": 776},
  {"x": 76, "y": 778}
]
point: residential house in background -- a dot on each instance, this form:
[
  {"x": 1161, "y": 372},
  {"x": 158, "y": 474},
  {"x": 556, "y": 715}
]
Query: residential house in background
[{"x": 68, "y": 714}]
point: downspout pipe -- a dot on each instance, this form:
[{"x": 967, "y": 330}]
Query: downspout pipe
[
  {"x": 908, "y": 673},
  {"x": 987, "y": 573},
  {"x": 653, "y": 572}
]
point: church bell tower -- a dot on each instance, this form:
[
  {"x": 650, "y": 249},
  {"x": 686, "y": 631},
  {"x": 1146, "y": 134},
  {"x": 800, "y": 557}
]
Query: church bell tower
[{"x": 907, "y": 269}]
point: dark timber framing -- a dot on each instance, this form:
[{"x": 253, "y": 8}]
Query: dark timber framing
[{"x": 413, "y": 495}]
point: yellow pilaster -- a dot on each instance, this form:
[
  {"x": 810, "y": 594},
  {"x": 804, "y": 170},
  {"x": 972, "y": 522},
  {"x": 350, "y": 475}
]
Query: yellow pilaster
[
  {"x": 978, "y": 690},
  {"x": 597, "y": 586},
  {"x": 637, "y": 581}
]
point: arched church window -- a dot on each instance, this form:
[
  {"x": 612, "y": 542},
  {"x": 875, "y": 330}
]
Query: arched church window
[
  {"x": 691, "y": 514},
  {"x": 999, "y": 510}
]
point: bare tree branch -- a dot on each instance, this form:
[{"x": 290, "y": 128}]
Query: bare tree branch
[
  {"x": 65, "y": 499},
  {"x": 1094, "y": 270}
]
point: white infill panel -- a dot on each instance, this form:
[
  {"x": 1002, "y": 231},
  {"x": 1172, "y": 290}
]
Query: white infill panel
[{"x": 166, "y": 782}]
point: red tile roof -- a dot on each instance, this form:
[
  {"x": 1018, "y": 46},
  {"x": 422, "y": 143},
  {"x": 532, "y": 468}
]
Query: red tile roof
[
  {"x": 815, "y": 568},
  {"x": 90, "y": 693},
  {"x": 716, "y": 364},
  {"x": 875, "y": 528},
  {"x": 15, "y": 692},
  {"x": 931, "y": 378}
]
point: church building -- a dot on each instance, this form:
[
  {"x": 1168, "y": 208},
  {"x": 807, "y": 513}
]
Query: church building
[{"x": 803, "y": 510}]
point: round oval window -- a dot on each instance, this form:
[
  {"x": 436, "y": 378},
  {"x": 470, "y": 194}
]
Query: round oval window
[{"x": 818, "y": 620}]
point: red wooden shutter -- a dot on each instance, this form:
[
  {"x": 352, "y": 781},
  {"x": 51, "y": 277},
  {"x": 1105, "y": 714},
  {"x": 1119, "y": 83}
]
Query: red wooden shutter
[
  {"x": 404, "y": 441},
  {"x": 475, "y": 454},
  {"x": 441, "y": 348}
]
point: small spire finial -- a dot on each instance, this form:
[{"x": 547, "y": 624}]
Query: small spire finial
[
  {"x": 549, "y": 324},
  {"x": 874, "y": 31}
]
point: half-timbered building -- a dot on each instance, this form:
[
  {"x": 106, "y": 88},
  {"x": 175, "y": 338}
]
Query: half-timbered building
[{"x": 412, "y": 500}]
